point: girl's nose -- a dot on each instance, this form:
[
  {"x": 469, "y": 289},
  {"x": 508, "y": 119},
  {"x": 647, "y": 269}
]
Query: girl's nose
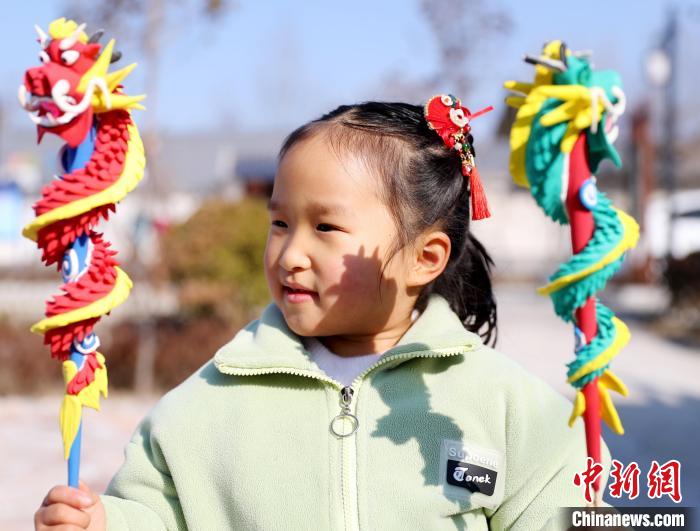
[{"x": 294, "y": 255}]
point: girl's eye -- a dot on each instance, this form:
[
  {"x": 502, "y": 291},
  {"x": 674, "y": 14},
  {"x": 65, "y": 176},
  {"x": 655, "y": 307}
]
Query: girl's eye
[{"x": 323, "y": 227}]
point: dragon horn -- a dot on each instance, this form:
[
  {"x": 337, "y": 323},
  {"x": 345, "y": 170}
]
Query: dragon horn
[
  {"x": 43, "y": 37},
  {"x": 562, "y": 52},
  {"x": 554, "y": 64},
  {"x": 72, "y": 38},
  {"x": 95, "y": 37}
]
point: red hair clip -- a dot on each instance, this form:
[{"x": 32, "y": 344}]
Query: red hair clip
[{"x": 445, "y": 115}]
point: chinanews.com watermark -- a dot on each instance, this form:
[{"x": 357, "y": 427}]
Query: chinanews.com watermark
[
  {"x": 607, "y": 518},
  {"x": 662, "y": 480}
]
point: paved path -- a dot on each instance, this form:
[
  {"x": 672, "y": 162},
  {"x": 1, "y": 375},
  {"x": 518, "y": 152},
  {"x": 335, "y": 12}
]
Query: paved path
[
  {"x": 31, "y": 445},
  {"x": 661, "y": 416}
]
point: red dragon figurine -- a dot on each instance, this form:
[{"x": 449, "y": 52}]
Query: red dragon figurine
[{"x": 73, "y": 95}]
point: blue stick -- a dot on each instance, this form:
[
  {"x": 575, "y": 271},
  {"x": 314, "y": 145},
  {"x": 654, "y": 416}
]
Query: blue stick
[
  {"x": 74, "y": 459},
  {"x": 71, "y": 160}
]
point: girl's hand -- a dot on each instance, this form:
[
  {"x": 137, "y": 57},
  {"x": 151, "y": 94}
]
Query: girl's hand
[{"x": 71, "y": 508}]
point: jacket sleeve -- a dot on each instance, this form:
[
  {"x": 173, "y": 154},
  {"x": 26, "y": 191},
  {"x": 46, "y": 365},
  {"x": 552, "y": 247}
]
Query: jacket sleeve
[
  {"x": 542, "y": 456},
  {"x": 142, "y": 493}
]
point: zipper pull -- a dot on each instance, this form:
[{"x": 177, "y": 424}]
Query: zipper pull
[{"x": 339, "y": 424}]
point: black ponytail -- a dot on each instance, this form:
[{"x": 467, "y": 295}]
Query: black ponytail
[{"x": 424, "y": 188}]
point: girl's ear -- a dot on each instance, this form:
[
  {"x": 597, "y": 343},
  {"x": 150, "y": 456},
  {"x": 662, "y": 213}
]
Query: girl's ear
[{"x": 429, "y": 259}]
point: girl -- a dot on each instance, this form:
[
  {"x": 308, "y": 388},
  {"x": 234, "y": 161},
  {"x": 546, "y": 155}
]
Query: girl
[{"x": 365, "y": 396}]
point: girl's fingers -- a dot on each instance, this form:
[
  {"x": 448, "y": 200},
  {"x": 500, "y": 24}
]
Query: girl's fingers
[
  {"x": 69, "y": 496},
  {"x": 94, "y": 498},
  {"x": 62, "y": 514}
]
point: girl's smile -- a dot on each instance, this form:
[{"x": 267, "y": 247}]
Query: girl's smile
[{"x": 295, "y": 295}]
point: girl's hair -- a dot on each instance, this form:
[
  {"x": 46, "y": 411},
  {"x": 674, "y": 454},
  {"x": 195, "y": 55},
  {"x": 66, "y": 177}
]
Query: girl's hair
[{"x": 423, "y": 187}]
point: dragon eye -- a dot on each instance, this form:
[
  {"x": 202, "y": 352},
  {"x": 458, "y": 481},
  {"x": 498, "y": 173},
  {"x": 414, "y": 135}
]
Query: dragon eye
[
  {"x": 88, "y": 345},
  {"x": 70, "y": 56},
  {"x": 71, "y": 266},
  {"x": 44, "y": 57}
]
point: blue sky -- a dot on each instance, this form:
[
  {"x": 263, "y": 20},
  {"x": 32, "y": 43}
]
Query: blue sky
[{"x": 273, "y": 65}]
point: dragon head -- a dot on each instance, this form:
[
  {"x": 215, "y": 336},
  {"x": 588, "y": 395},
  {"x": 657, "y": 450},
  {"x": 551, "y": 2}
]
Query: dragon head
[
  {"x": 603, "y": 99},
  {"x": 72, "y": 84}
]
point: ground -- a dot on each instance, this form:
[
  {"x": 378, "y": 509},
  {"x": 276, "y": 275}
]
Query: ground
[{"x": 660, "y": 416}]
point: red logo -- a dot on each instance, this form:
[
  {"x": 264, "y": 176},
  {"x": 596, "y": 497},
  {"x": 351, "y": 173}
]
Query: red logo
[
  {"x": 661, "y": 479},
  {"x": 592, "y": 471},
  {"x": 626, "y": 480},
  {"x": 665, "y": 479}
]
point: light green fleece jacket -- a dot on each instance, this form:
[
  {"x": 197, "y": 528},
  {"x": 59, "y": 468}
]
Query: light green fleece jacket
[{"x": 451, "y": 434}]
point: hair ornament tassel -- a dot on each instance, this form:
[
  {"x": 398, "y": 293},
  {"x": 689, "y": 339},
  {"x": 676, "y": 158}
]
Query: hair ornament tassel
[
  {"x": 480, "y": 207},
  {"x": 446, "y": 116}
]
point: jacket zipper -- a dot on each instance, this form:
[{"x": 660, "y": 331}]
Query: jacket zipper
[
  {"x": 346, "y": 421},
  {"x": 348, "y": 465}
]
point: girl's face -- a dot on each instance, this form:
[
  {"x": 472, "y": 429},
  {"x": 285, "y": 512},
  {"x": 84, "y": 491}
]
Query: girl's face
[{"x": 330, "y": 233}]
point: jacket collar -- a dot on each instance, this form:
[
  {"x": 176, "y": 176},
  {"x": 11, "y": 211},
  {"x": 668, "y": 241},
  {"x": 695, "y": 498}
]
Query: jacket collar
[{"x": 268, "y": 343}]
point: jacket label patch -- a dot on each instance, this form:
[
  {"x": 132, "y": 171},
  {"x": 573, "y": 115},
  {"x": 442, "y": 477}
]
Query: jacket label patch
[
  {"x": 470, "y": 476},
  {"x": 471, "y": 472}
]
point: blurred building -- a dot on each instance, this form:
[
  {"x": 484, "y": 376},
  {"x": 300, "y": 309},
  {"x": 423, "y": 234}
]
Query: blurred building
[
  {"x": 20, "y": 179},
  {"x": 257, "y": 175}
]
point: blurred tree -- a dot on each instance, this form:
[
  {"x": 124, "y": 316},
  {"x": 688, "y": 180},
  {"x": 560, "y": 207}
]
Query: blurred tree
[
  {"x": 27, "y": 367},
  {"x": 124, "y": 16},
  {"x": 462, "y": 30},
  {"x": 216, "y": 259}
]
